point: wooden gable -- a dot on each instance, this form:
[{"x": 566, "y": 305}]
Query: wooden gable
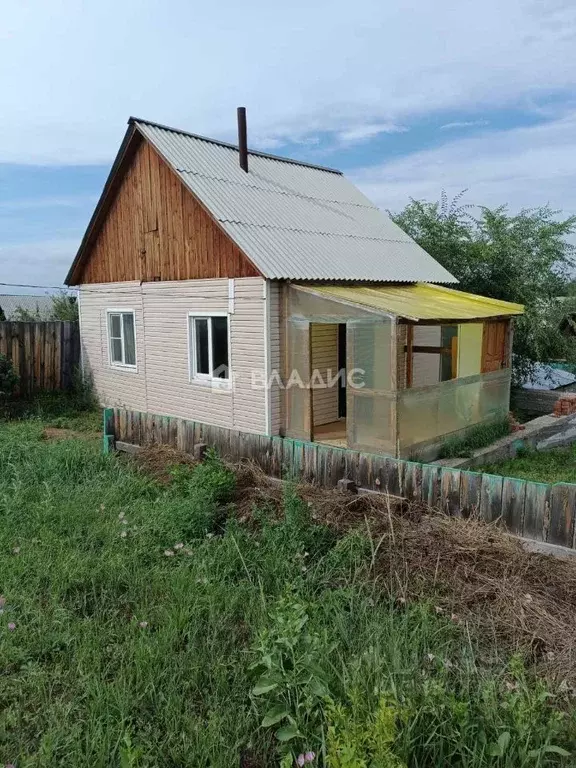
[{"x": 154, "y": 228}]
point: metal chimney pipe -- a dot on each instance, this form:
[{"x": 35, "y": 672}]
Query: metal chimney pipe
[{"x": 242, "y": 139}]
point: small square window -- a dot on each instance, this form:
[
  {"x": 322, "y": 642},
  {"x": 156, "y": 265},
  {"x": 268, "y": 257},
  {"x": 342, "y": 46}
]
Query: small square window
[
  {"x": 122, "y": 338},
  {"x": 209, "y": 347}
]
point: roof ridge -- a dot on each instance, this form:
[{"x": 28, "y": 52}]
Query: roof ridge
[
  {"x": 407, "y": 241},
  {"x": 135, "y": 120},
  {"x": 277, "y": 191}
]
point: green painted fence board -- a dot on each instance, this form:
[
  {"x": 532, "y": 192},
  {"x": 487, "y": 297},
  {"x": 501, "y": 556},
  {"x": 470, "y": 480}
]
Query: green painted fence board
[
  {"x": 534, "y": 510},
  {"x": 562, "y": 502},
  {"x": 470, "y": 485},
  {"x": 513, "y": 500},
  {"x": 450, "y": 491},
  {"x": 536, "y": 507},
  {"x": 365, "y": 471},
  {"x": 391, "y": 478},
  {"x": 491, "y": 497},
  {"x": 431, "y": 485},
  {"x": 412, "y": 481}
]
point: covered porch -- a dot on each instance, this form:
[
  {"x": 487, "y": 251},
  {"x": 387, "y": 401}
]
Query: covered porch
[{"x": 393, "y": 369}]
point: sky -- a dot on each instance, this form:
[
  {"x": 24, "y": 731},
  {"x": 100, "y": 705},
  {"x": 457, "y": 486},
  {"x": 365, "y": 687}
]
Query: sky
[{"x": 407, "y": 97}]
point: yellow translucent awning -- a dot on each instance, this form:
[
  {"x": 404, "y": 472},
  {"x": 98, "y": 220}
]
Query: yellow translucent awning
[{"x": 418, "y": 301}]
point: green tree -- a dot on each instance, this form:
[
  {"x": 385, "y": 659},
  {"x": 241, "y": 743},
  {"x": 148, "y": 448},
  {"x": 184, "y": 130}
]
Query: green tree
[
  {"x": 525, "y": 258},
  {"x": 64, "y": 307}
]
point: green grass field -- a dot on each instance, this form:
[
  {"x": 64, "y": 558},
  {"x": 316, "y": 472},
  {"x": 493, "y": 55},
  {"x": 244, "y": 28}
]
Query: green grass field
[
  {"x": 556, "y": 466},
  {"x": 146, "y": 624}
]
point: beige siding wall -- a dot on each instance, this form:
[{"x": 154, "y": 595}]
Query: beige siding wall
[
  {"x": 275, "y": 321},
  {"x": 248, "y": 329},
  {"x": 324, "y": 340},
  {"x": 115, "y": 386},
  {"x": 162, "y": 383}
]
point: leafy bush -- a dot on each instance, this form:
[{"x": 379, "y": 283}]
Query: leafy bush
[
  {"x": 358, "y": 738},
  {"x": 291, "y": 682},
  {"x": 193, "y": 505},
  {"x": 8, "y": 379}
]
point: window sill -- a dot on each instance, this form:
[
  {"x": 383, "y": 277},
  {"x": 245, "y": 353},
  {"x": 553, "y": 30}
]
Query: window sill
[
  {"x": 218, "y": 385},
  {"x": 122, "y": 367}
]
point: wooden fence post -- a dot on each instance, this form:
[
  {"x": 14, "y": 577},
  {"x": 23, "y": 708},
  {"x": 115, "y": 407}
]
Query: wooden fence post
[{"x": 109, "y": 438}]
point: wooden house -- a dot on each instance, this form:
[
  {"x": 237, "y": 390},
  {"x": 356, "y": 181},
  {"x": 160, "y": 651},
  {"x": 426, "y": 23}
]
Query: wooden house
[{"x": 266, "y": 295}]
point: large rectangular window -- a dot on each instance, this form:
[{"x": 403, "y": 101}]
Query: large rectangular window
[
  {"x": 209, "y": 347},
  {"x": 431, "y": 354},
  {"x": 122, "y": 337}
]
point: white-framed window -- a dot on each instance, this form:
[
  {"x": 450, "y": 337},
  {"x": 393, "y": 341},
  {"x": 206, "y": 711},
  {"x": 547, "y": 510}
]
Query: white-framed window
[
  {"x": 209, "y": 347},
  {"x": 122, "y": 337}
]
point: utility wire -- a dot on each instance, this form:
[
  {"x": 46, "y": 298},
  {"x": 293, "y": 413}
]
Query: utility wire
[{"x": 114, "y": 292}]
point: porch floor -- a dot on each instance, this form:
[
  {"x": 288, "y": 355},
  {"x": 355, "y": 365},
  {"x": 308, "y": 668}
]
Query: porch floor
[{"x": 333, "y": 433}]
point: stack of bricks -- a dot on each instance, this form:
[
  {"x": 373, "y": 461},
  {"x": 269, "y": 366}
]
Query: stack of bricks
[{"x": 565, "y": 405}]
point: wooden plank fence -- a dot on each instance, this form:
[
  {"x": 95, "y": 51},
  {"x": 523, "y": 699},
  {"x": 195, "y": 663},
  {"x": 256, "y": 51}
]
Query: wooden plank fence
[
  {"x": 43, "y": 354},
  {"x": 534, "y": 510}
]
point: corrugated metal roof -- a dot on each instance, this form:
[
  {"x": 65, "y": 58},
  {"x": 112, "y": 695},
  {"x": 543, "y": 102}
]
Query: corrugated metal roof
[
  {"x": 420, "y": 301},
  {"x": 294, "y": 221},
  {"x": 33, "y": 304}
]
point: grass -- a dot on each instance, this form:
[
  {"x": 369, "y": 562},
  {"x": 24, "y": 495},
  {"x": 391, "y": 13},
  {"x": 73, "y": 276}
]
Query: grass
[
  {"x": 154, "y": 626},
  {"x": 475, "y": 438},
  {"x": 555, "y": 466}
]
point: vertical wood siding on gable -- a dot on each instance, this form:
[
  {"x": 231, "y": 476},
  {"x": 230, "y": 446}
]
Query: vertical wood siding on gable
[
  {"x": 155, "y": 229},
  {"x": 162, "y": 384}
]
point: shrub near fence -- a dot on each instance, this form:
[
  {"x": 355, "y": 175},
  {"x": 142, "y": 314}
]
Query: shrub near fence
[
  {"x": 43, "y": 354},
  {"x": 539, "y": 511}
]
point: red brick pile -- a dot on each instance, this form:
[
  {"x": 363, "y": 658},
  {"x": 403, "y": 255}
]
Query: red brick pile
[{"x": 565, "y": 405}]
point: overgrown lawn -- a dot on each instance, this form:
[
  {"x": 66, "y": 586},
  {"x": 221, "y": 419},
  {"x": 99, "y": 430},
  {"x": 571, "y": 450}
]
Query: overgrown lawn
[
  {"x": 555, "y": 466},
  {"x": 150, "y": 625}
]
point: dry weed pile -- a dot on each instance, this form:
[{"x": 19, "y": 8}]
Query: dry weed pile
[{"x": 473, "y": 571}]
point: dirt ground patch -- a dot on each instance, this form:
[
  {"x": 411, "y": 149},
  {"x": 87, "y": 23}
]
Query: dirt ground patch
[
  {"x": 474, "y": 572},
  {"x": 159, "y": 460},
  {"x": 58, "y": 433}
]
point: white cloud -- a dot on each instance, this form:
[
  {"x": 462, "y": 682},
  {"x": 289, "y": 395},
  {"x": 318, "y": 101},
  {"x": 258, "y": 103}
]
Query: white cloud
[
  {"x": 40, "y": 203},
  {"x": 463, "y": 124},
  {"x": 266, "y": 143},
  {"x": 368, "y": 131},
  {"x": 524, "y": 167},
  {"x": 37, "y": 263},
  {"x": 71, "y": 73}
]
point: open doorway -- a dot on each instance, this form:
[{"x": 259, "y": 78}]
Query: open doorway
[{"x": 328, "y": 365}]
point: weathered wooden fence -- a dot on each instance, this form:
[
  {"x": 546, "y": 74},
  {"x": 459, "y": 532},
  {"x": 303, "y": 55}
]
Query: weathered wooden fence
[
  {"x": 43, "y": 354},
  {"x": 535, "y": 510}
]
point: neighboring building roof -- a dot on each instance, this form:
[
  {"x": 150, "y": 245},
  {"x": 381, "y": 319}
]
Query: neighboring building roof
[
  {"x": 547, "y": 377},
  {"x": 419, "y": 301},
  {"x": 42, "y": 304},
  {"x": 292, "y": 220}
]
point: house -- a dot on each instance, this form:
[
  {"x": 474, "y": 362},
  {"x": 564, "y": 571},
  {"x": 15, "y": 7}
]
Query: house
[
  {"x": 14, "y": 307},
  {"x": 267, "y": 295}
]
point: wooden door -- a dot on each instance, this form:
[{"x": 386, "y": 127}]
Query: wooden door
[{"x": 494, "y": 346}]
